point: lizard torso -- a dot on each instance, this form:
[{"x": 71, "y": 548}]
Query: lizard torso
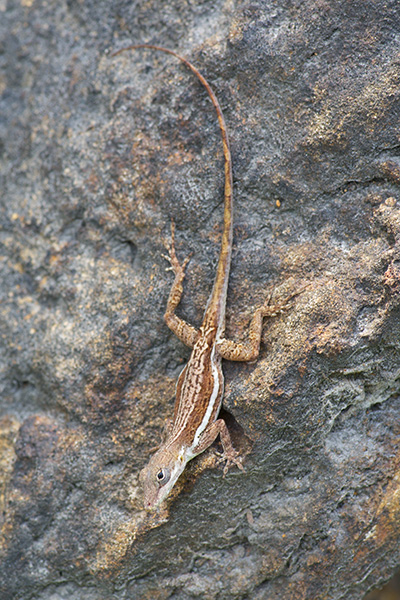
[{"x": 198, "y": 392}]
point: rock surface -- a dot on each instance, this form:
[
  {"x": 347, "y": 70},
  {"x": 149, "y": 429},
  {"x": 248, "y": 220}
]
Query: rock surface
[{"x": 97, "y": 156}]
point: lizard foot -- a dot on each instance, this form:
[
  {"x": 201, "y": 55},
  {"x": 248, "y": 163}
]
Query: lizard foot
[
  {"x": 232, "y": 458},
  {"x": 272, "y": 310},
  {"x": 176, "y": 267}
]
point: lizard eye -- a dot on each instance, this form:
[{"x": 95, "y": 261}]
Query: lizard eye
[{"x": 163, "y": 476}]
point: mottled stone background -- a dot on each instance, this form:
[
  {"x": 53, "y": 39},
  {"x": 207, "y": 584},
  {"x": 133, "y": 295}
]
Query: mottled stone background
[{"x": 97, "y": 156}]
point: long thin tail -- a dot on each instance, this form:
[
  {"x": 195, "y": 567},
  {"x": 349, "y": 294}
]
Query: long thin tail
[{"x": 216, "y": 305}]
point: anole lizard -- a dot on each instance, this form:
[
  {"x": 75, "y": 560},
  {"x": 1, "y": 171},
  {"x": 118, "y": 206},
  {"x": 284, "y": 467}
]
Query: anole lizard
[{"x": 200, "y": 386}]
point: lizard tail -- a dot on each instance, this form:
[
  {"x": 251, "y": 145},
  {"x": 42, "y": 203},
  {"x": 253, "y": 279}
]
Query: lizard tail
[{"x": 216, "y": 305}]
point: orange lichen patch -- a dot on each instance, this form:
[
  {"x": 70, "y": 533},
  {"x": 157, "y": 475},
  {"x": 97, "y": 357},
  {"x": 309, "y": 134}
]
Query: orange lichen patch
[
  {"x": 383, "y": 516},
  {"x": 115, "y": 546},
  {"x": 388, "y": 214},
  {"x": 332, "y": 120},
  {"x": 391, "y": 277},
  {"x": 19, "y": 267},
  {"x": 93, "y": 181},
  {"x": 391, "y": 169},
  {"x": 391, "y": 201},
  {"x": 388, "y": 510},
  {"x": 179, "y": 157},
  {"x": 8, "y": 433},
  {"x": 327, "y": 340}
]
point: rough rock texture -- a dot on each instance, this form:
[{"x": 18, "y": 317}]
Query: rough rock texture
[{"x": 97, "y": 156}]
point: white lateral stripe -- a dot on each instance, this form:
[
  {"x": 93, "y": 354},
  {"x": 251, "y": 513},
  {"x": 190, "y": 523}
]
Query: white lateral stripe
[{"x": 206, "y": 419}]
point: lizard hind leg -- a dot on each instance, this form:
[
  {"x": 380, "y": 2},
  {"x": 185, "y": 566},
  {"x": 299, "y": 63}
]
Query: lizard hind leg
[
  {"x": 185, "y": 332},
  {"x": 229, "y": 454}
]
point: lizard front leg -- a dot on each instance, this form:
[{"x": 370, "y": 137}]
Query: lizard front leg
[{"x": 185, "y": 332}]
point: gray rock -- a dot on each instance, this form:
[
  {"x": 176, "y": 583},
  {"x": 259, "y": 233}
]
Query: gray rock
[{"x": 97, "y": 156}]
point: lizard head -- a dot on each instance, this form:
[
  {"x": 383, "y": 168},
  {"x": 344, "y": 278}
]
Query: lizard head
[{"x": 161, "y": 474}]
